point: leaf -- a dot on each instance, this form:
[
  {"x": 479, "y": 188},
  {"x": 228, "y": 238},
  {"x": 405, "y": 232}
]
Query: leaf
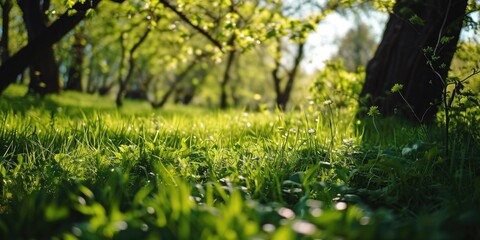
[
  {"x": 342, "y": 173},
  {"x": 72, "y": 12},
  {"x": 230, "y": 25},
  {"x": 118, "y": 155},
  {"x": 150, "y": 145},
  {"x": 428, "y": 50},
  {"x": 55, "y": 213},
  {"x": 397, "y": 87},
  {"x": 153, "y": 24},
  {"x": 59, "y": 157},
  {"x": 141, "y": 195},
  {"x": 297, "y": 177},
  {"x": 474, "y": 100},
  {"x": 416, "y": 20},
  {"x": 272, "y": 33},
  {"x": 69, "y": 3},
  {"x": 90, "y": 12},
  {"x": 3, "y": 171},
  {"x": 373, "y": 111},
  {"x": 308, "y": 27},
  {"x": 87, "y": 192},
  {"x": 445, "y": 40}
]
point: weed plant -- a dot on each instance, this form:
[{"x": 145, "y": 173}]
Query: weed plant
[{"x": 75, "y": 167}]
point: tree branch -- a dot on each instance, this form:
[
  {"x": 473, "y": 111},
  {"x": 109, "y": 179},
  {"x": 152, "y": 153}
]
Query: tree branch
[
  {"x": 52, "y": 34},
  {"x": 190, "y": 23}
]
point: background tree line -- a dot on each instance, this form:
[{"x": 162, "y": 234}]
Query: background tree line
[
  {"x": 154, "y": 50},
  {"x": 229, "y": 53}
]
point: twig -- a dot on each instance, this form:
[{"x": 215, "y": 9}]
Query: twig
[{"x": 196, "y": 27}]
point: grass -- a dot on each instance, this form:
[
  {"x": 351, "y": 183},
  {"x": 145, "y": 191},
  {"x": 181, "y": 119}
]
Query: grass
[{"x": 75, "y": 167}]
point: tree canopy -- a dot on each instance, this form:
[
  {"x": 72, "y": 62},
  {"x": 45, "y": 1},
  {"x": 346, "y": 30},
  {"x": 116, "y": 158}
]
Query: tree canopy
[{"x": 161, "y": 49}]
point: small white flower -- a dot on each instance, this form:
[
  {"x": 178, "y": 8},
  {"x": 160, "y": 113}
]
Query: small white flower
[
  {"x": 286, "y": 213},
  {"x": 340, "y": 206},
  {"x": 348, "y": 142},
  {"x": 268, "y": 227},
  {"x": 304, "y": 227},
  {"x": 327, "y": 102},
  {"x": 406, "y": 151},
  {"x": 415, "y": 146},
  {"x": 311, "y": 130}
]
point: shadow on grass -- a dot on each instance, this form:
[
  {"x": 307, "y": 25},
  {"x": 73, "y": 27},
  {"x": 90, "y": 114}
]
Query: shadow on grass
[{"x": 73, "y": 104}]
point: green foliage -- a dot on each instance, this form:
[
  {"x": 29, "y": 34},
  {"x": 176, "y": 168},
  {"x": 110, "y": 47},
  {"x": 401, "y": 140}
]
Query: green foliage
[
  {"x": 465, "y": 60},
  {"x": 373, "y": 111},
  {"x": 191, "y": 173},
  {"x": 397, "y": 87},
  {"x": 454, "y": 95},
  {"x": 70, "y": 3},
  {"x": 75, "y": 167},
  {"x": 464, "y": 114},
  {"x": 416, "y": 20},
  {"x": 181, "y": 34},
  {"x": 337, "y": 85},
  {"x": 357, "y": 47},
  {"x": 105, "y": 173},
  {"x": 460, "y": 103}
]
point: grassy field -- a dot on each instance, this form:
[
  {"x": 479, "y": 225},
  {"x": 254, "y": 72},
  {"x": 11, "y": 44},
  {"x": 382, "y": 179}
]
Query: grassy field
[{"x": 74, "y": 167}]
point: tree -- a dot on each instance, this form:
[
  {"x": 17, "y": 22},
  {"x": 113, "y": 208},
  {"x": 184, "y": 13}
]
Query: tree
[
  {"x": 289, "y": 76},
  {"x": 230, "y": 26},
  {"x": 291, "y": 33},
  {"x": 44, "y": 76},
  {"x": 124, "y": 81},
  {"x": 416, "y": 51},
  {"x": 77, "y": 55},
  {"x": 44, "y": 40},
  {"x": 6, "y": 6},
  {"x": 173, "y": 86},
  {"x": 356, "y": 47}
]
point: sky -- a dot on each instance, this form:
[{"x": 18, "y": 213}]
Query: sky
[{"x": 323, "y": 43}]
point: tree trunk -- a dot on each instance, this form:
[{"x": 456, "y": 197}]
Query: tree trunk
[
  {"x": 179, "y": 78},
  {"x": 75, "y": 70},
  {"x": 400, "y": 58},
  {"x": 34, "y": 49},
  {"x": 189, "y": 91},
  {"x": 5, "y": 50},
  {"x": 131, "y": 64},
  {"x": 226, "y": 80},
  {"x": 283, "y": 95},
  {"x": 44, "y": 76}
]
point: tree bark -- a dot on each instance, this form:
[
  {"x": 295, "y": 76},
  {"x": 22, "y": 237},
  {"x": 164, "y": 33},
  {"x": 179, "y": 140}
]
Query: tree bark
[
  {"x": 198, "y": 28},
  {"x": 227, "y": 74},
  {"x": 44, "y": 75},
  {"x": 49, "y": 36},
  {"x": 123, "y": 83},
  {"x": 226, "y": 79},
  {"x": 5, "y": 50},
  {"x": 75, "y": 70},
  {"x": 283, "y": 95},
  {"x": 179, "y": 78},
  {"x": 413, "y": 27}
]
